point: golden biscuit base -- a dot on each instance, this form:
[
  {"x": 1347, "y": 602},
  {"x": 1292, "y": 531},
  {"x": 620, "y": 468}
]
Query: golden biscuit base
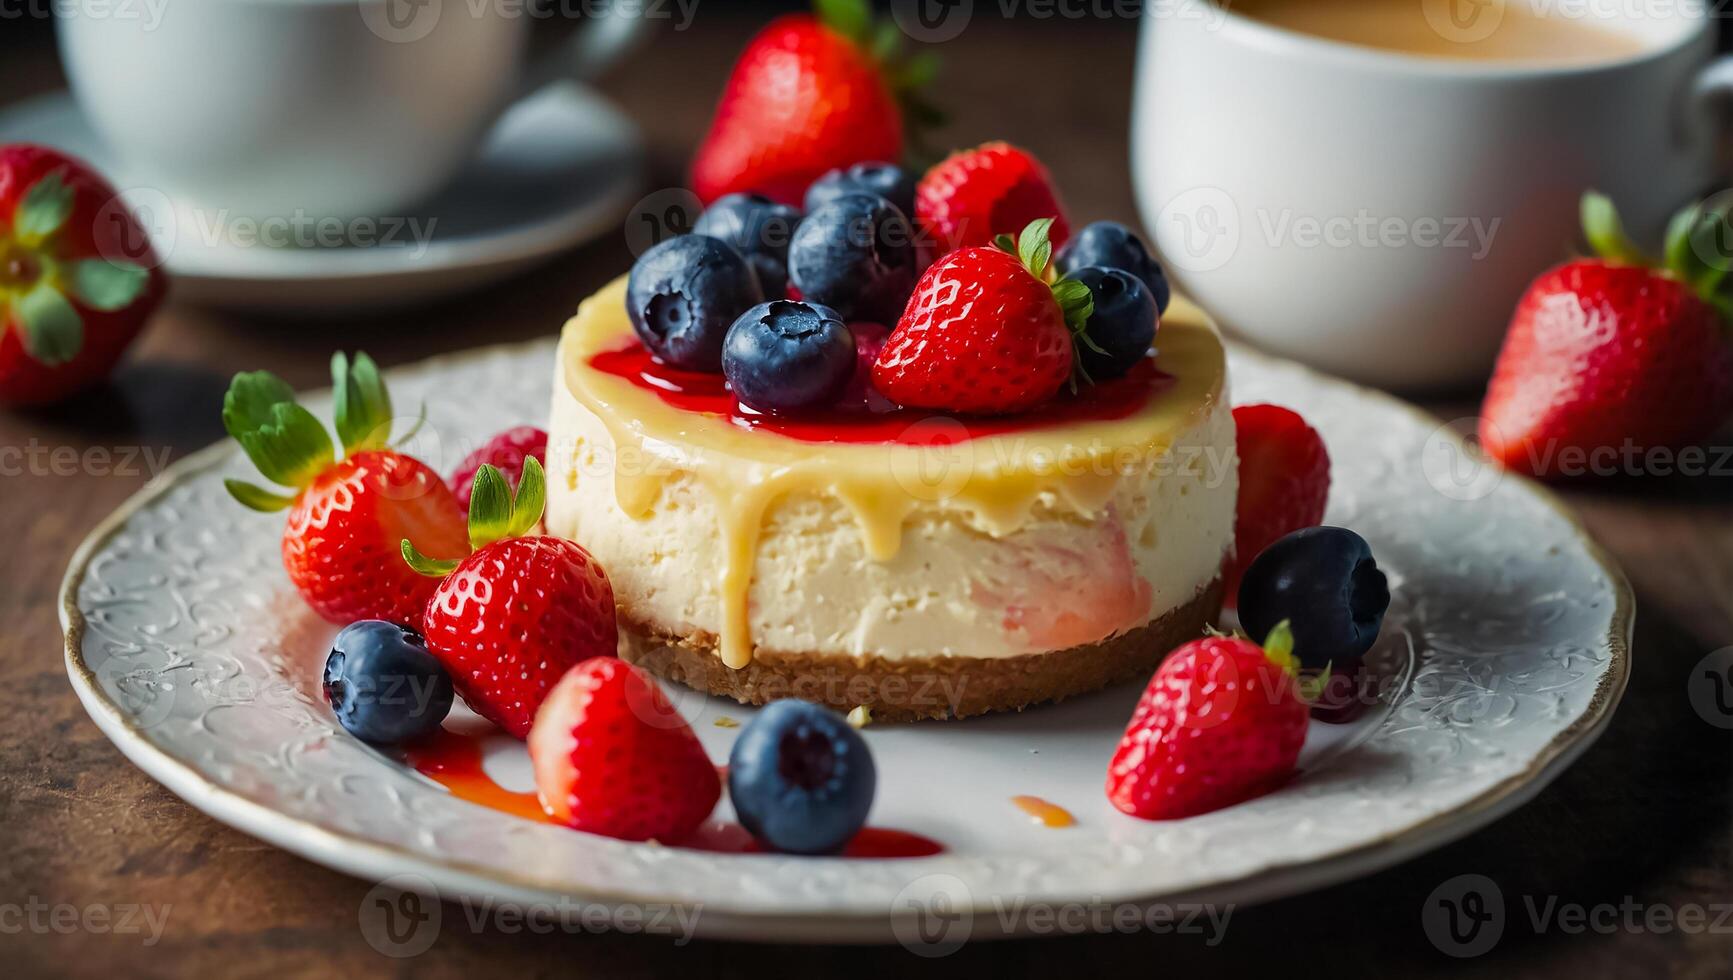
[{"x": 926, "y": 687}]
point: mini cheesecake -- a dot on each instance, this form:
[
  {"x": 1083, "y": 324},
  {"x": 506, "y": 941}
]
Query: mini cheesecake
[{"x": 921, "y": 565}]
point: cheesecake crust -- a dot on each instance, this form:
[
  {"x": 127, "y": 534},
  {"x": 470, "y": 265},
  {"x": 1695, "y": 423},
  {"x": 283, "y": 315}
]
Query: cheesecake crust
[{"x": 920, "y": 688}]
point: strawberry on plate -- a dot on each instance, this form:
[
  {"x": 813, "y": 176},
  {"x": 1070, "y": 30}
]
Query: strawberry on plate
[
  {"x": 808, "y": 95},
  {"x": 612, "y": 756},
  {"x": 1615, "y": 353},
  {"x": 78, "y": 277},
  {"x": 346, "y": 517},
  {"x": 984, "y": 333},
  {"x": 1221, "y": 722},
  {"x": 1284, "y": 482},
  {"x": 510, "y": 619},
  {"x": 505, "y": 452},
  {"x": 973, "y": 196}
]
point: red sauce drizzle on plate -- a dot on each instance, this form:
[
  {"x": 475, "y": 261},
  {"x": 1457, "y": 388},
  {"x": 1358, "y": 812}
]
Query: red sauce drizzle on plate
[{"x": 697, "y": 391}]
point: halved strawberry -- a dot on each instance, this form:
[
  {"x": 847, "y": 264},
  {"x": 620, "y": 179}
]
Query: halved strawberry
[
  {"x": 511, "y": 618},
  {"x": 346, "y": 518}
]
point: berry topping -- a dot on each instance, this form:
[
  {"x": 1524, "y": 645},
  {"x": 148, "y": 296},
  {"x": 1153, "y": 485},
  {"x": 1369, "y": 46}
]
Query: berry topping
[
  {"x": 885, "y": 180},
  {"x": 860, "y": 395},
  {"x": 801, "y": 778},
  {"x": 759, "y": 229},
  {"x": 984, "y": 333},
  {"x": 810, "y": 94},
  {"x": 1221, "y": 722},
  {"x": 1121, "y": 323},
  {"x": 384, "y": 685},
  {"x": 783, "y": 356},
  {"x": 684, "y": 294},
  {"x": 613, "y": 757},
  {"x": 1111, "y": 245},
  {"x": 1324, "y": 583},
  {"x": 1284, "y": 482},
  {"x": 1610, "y": 354},
  {"x": 511, "y": 618},
  {"x": 505, "y": 452},
  {"x": 346, "y": 518},
  {"x": 855, "y": 255},
  {"x": 974, "y": 196}
]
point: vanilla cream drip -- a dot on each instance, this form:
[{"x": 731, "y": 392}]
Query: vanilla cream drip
[{"x": 995, "y": 483}]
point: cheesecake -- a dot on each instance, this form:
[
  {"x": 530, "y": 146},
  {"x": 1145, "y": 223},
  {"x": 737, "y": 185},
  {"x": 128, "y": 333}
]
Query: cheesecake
[{"x": 918, "y": 564}]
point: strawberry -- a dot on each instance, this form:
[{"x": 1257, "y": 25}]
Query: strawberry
[
  {"x": 505, "y": 452},
  {"x": 1615, "y": 353},
  {"x": 1221, "y": 722},
  {"x": 810, "y": 94},
  {"x": 514, "y": 616},
  {"x": 346, "y": 518},
  {"x": 1284, "y": 482},
  {"x": 984, "y": 333},
  {"x": 78, "y": 278},
  {"x": 613, "y": 757},
  {"x": 973, "y": 196}
]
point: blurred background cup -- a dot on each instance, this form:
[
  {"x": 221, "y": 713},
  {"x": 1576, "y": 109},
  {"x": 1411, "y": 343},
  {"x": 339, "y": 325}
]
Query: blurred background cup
[
  {"x": 1378, "y": 213},
  {"x": 316, "y": 108}
]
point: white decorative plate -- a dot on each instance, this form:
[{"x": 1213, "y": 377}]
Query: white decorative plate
[{"x": 1506, "y": 646}]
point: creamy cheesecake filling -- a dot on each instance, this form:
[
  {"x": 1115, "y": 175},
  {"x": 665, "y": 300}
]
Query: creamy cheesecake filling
[{"x": 1034, "y": 540}]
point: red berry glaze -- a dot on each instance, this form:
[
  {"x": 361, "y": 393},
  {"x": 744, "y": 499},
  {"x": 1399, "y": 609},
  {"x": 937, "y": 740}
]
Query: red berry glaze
[
  {"x": 613, "y": 757},
  {"x": 505, "y": 452},
  {"x": 1284, "y": 482},
  {"x": 94, "y": 227},
  {"x": 995, "y": 189},
  {"x": 515, "y": 616},
  {"x": 1221, "y": 722},
  {"x": 981, "y": 335},
  {"x": 341, "y": 544},
  {"x": 802, "y": 99}
]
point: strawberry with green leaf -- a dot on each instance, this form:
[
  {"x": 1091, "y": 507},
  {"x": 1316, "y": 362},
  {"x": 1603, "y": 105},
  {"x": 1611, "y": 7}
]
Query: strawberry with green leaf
[
  {"x": 78, "y": 278},
  {"x": 509, "y": 620},
  {"x": 985, "y": 333},
  {"x": 346, "y": 517},
  {"x": 811, "y": 94}
]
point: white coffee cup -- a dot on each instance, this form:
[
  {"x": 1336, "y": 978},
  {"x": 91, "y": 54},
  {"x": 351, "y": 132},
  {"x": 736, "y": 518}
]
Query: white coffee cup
[
  {"x": 1378, "y": 214},
  {"x": 317, "y": 108}
]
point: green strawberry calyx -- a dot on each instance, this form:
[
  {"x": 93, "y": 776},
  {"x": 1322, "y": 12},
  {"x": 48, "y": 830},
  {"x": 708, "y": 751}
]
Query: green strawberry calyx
[
  {"x": 906, "y": 75},
  {"x": 1697, "y": 251},
  {"x": 495, "y": 513},
  {"x": 1279, "y": 650},
  {"x": 41, "y": 286},
  {"x": 1033, "y": 248},
  {"x": 287, "y": 444}
]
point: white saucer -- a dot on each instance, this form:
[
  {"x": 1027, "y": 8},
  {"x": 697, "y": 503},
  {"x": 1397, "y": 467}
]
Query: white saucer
[
  {"x": 559, "y": 169},
  {"x": 1508, "y": 635}
]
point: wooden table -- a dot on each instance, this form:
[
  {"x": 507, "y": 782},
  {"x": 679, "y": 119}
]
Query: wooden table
[{"x": 1646, "y": 814}]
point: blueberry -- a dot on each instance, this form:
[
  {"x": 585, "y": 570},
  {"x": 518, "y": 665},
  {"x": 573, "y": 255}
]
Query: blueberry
[
  {"x": 888, "y": 181},
  {"x": 1122, "y": 325},
  {"x": 855, "y": 255},
  {"x": 683, "y": 295},
  {"x": 383, "y": 684},
  {"x": 1323, "y": 581},
  {"x": 759, "y": 229},
  {"x": 1114, "y": 246},
  {"x": 801, "y": 779},
  {"x": 784, "y": 356}
]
